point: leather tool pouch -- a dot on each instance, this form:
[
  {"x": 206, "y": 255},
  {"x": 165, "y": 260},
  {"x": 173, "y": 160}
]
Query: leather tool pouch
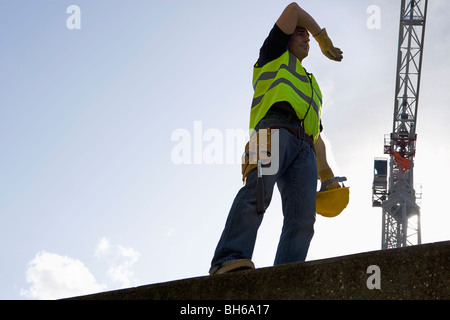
[{"x": 258, "y": 148}]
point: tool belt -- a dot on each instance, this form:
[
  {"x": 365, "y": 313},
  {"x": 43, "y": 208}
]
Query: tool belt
[{"x": 259, "y": 147}]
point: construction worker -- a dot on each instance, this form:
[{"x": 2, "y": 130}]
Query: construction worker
[{"x": 286, "y": 98}]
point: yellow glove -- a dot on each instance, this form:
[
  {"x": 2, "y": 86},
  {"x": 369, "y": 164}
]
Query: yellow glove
[
  {"x": 327, "y": 46},
  {"x": 327, "y": 174}
]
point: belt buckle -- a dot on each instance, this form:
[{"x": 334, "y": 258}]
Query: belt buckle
[{"x": 301, "y": 131}]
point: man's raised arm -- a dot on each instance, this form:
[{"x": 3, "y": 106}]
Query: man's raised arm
[{"x": 294, "y": 16}]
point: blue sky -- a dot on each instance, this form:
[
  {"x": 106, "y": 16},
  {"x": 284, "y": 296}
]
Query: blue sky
[{"x": 91, "y": 198}]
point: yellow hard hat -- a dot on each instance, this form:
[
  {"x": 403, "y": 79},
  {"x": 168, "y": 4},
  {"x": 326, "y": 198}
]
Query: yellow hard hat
[{"x": 330, "y": 203}]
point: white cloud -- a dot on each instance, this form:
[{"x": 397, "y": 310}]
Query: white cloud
[
  {"x": 170, "y": 232},
  {"x": 121, "y": 260},
  {"x": 327, "y": 89},
  {"x": 53, "y": 277},
  {"x": 102, "y": 247},
  {"x": 331, "y": 159}
]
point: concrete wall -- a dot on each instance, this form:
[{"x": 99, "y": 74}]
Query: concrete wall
[{"x": 416, "y": 272}]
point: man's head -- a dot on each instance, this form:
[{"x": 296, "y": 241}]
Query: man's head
[{"x": 299, "y": 43}]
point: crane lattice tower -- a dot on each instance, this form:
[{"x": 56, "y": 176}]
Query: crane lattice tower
[{"x": 394, "y": 190}]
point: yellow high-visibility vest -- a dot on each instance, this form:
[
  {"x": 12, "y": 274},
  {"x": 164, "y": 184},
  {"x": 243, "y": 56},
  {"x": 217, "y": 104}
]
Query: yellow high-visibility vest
[{"x": 285, "y": 79}]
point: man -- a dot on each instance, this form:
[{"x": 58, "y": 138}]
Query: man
[{"x": 286, "y": 98}]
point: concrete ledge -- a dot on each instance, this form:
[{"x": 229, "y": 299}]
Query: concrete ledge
[{"x": 416, "y": 272}]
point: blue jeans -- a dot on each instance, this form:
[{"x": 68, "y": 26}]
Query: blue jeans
[{"x": 296, "y": 179}]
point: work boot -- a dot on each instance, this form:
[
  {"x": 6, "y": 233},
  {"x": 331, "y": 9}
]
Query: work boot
[{"x": 234, "y": 265}]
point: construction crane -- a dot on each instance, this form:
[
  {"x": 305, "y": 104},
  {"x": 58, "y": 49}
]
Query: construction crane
[{"x": 393, "y": 189}]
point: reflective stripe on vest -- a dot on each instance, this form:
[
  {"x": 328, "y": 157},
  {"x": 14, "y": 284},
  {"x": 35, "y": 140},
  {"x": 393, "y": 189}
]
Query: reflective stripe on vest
[{"x": 284, "y": 79}]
